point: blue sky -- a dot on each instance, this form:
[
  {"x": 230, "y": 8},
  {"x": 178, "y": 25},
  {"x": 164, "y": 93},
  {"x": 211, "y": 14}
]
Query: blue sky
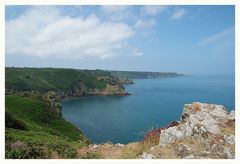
[{"x": 184, "y": 39}]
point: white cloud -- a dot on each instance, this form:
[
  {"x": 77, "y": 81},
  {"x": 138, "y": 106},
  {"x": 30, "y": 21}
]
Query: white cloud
[
  {"x": 221, "y": 38},
  {"x": 45, "y": 32},
  {"x": 145, "y": 24},
  {"x": 178, "y": 13},
  {"x": 153, "y": 9}
]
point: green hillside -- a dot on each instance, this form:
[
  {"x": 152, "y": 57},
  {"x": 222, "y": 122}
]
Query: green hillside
[
  {"x": 33, "y": 131},
  {"x": 45, "y": 79},
  {"x": 143, "y": 75}
]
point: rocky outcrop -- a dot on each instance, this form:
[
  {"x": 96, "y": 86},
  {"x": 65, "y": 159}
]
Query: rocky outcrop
[
  {"x": 109, "y": 90},
  {"x": 204, "y": 131},
  {"x": 231, "y": 115},
  {"x": 197, "y": 119},
  {"x": 82, "y": 90}
]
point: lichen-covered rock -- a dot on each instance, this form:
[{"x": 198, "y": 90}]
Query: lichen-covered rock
[
  {"x": 218, "y": 111},
  {"x": 231, "y": 115},
  {"x": 205, "y": 131},
  {"x": 228, "y": 153},
  {"x": 197, "y": 118},
  {"x": 203, "y": 119},
  {"x": 206, "y": 116},
  {"x": 229, "y": 139},
  {"x": 209, "y": 126},
  {"x": 145, "y": 155},
  {"x": 171, "y": 134}
]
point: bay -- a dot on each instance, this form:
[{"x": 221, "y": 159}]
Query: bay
[{"x": 153, "y": 103}]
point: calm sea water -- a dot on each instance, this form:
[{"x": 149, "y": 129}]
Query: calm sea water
[{"x": 153, "y": 103}]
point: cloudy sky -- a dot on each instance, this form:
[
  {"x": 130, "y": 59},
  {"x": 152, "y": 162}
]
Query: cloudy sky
[{"x": 184, "y": 39}]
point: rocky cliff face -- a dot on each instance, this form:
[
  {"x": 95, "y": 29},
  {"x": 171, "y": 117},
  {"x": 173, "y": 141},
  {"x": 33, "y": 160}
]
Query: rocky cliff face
[
  {"x": 204, "y": 131},
  {"x": 81, "y": 90},
  {"x": 109, "y": 90}
]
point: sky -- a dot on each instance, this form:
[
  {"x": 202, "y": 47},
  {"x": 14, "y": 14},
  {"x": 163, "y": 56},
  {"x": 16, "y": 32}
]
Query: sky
[{"x": 184, "y": 39}]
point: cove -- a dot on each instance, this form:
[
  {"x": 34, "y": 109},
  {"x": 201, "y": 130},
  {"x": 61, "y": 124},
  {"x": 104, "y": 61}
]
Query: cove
[{"x": 153, "y": 103}]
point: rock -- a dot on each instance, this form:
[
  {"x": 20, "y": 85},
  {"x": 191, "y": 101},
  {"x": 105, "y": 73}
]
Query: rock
[
  {"x": 119, "y": 145},
  {"x": 229, "y": 139},
  {"x": 204, "y": 119},
  {"x": 185, "y": 117},
  {"x": 172, "y": 124},
  {"x": 228, "y": 153},
  {"x": 145, "y": 155},
  {"x": 170, "y": 135},
  {"x": 231, "y": 115},
  {"x": 200, "y": 133},
  {"x": 207, "y": 117},
  {"x": 17, "y": 145},
  {"x": 219, "y": 111},
  {"x": 189, "y": 157},
  {"x": 187, "y": 129},
  {"x": 95, "y": 146}
]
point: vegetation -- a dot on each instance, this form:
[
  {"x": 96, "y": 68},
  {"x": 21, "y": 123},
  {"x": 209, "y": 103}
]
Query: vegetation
[
  {"x": 45, "y": 79},
  {"x": 143, "y": 75},
  {"x": 34, "y": 126},
  {"x": 64, "y": 79},
  {"x": 33, "y": 131},
  {"x": 132, "y": 150}
]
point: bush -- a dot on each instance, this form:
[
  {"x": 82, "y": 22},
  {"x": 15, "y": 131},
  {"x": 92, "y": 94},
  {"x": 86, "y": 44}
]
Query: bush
[
  {"x": 27, "y": 152},
  {"x": 11, "y": 122}
]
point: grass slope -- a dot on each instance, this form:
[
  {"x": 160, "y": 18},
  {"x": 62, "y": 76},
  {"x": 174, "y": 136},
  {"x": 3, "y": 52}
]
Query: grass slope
[
  {"x": 45, "y": 79},
  {"x": 31, "y": 122},
  {"x": 143, "y": 75}
]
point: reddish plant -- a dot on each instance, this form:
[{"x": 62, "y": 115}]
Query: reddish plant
[{"x": 153, "y": 136}]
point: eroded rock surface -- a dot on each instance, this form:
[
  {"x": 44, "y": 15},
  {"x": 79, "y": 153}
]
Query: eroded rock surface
[
  {"x": 198, "y": 118},
  {"x": 205, "y": 130}
]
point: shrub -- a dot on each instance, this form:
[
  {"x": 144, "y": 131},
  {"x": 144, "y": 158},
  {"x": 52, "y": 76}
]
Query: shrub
[
  {"x": 11, "y": 122},
  {"x": 27, "y": 152}
]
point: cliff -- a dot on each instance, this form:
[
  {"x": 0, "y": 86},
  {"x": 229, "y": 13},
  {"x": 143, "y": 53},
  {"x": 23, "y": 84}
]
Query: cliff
[
  {"x": 143, "y": 75},
  {"x": 65, "y": 82},
  {"x": 204, "y": 131}
]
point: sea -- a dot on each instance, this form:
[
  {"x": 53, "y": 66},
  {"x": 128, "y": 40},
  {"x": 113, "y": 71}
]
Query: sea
[{"x": 153, "y": 103}]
